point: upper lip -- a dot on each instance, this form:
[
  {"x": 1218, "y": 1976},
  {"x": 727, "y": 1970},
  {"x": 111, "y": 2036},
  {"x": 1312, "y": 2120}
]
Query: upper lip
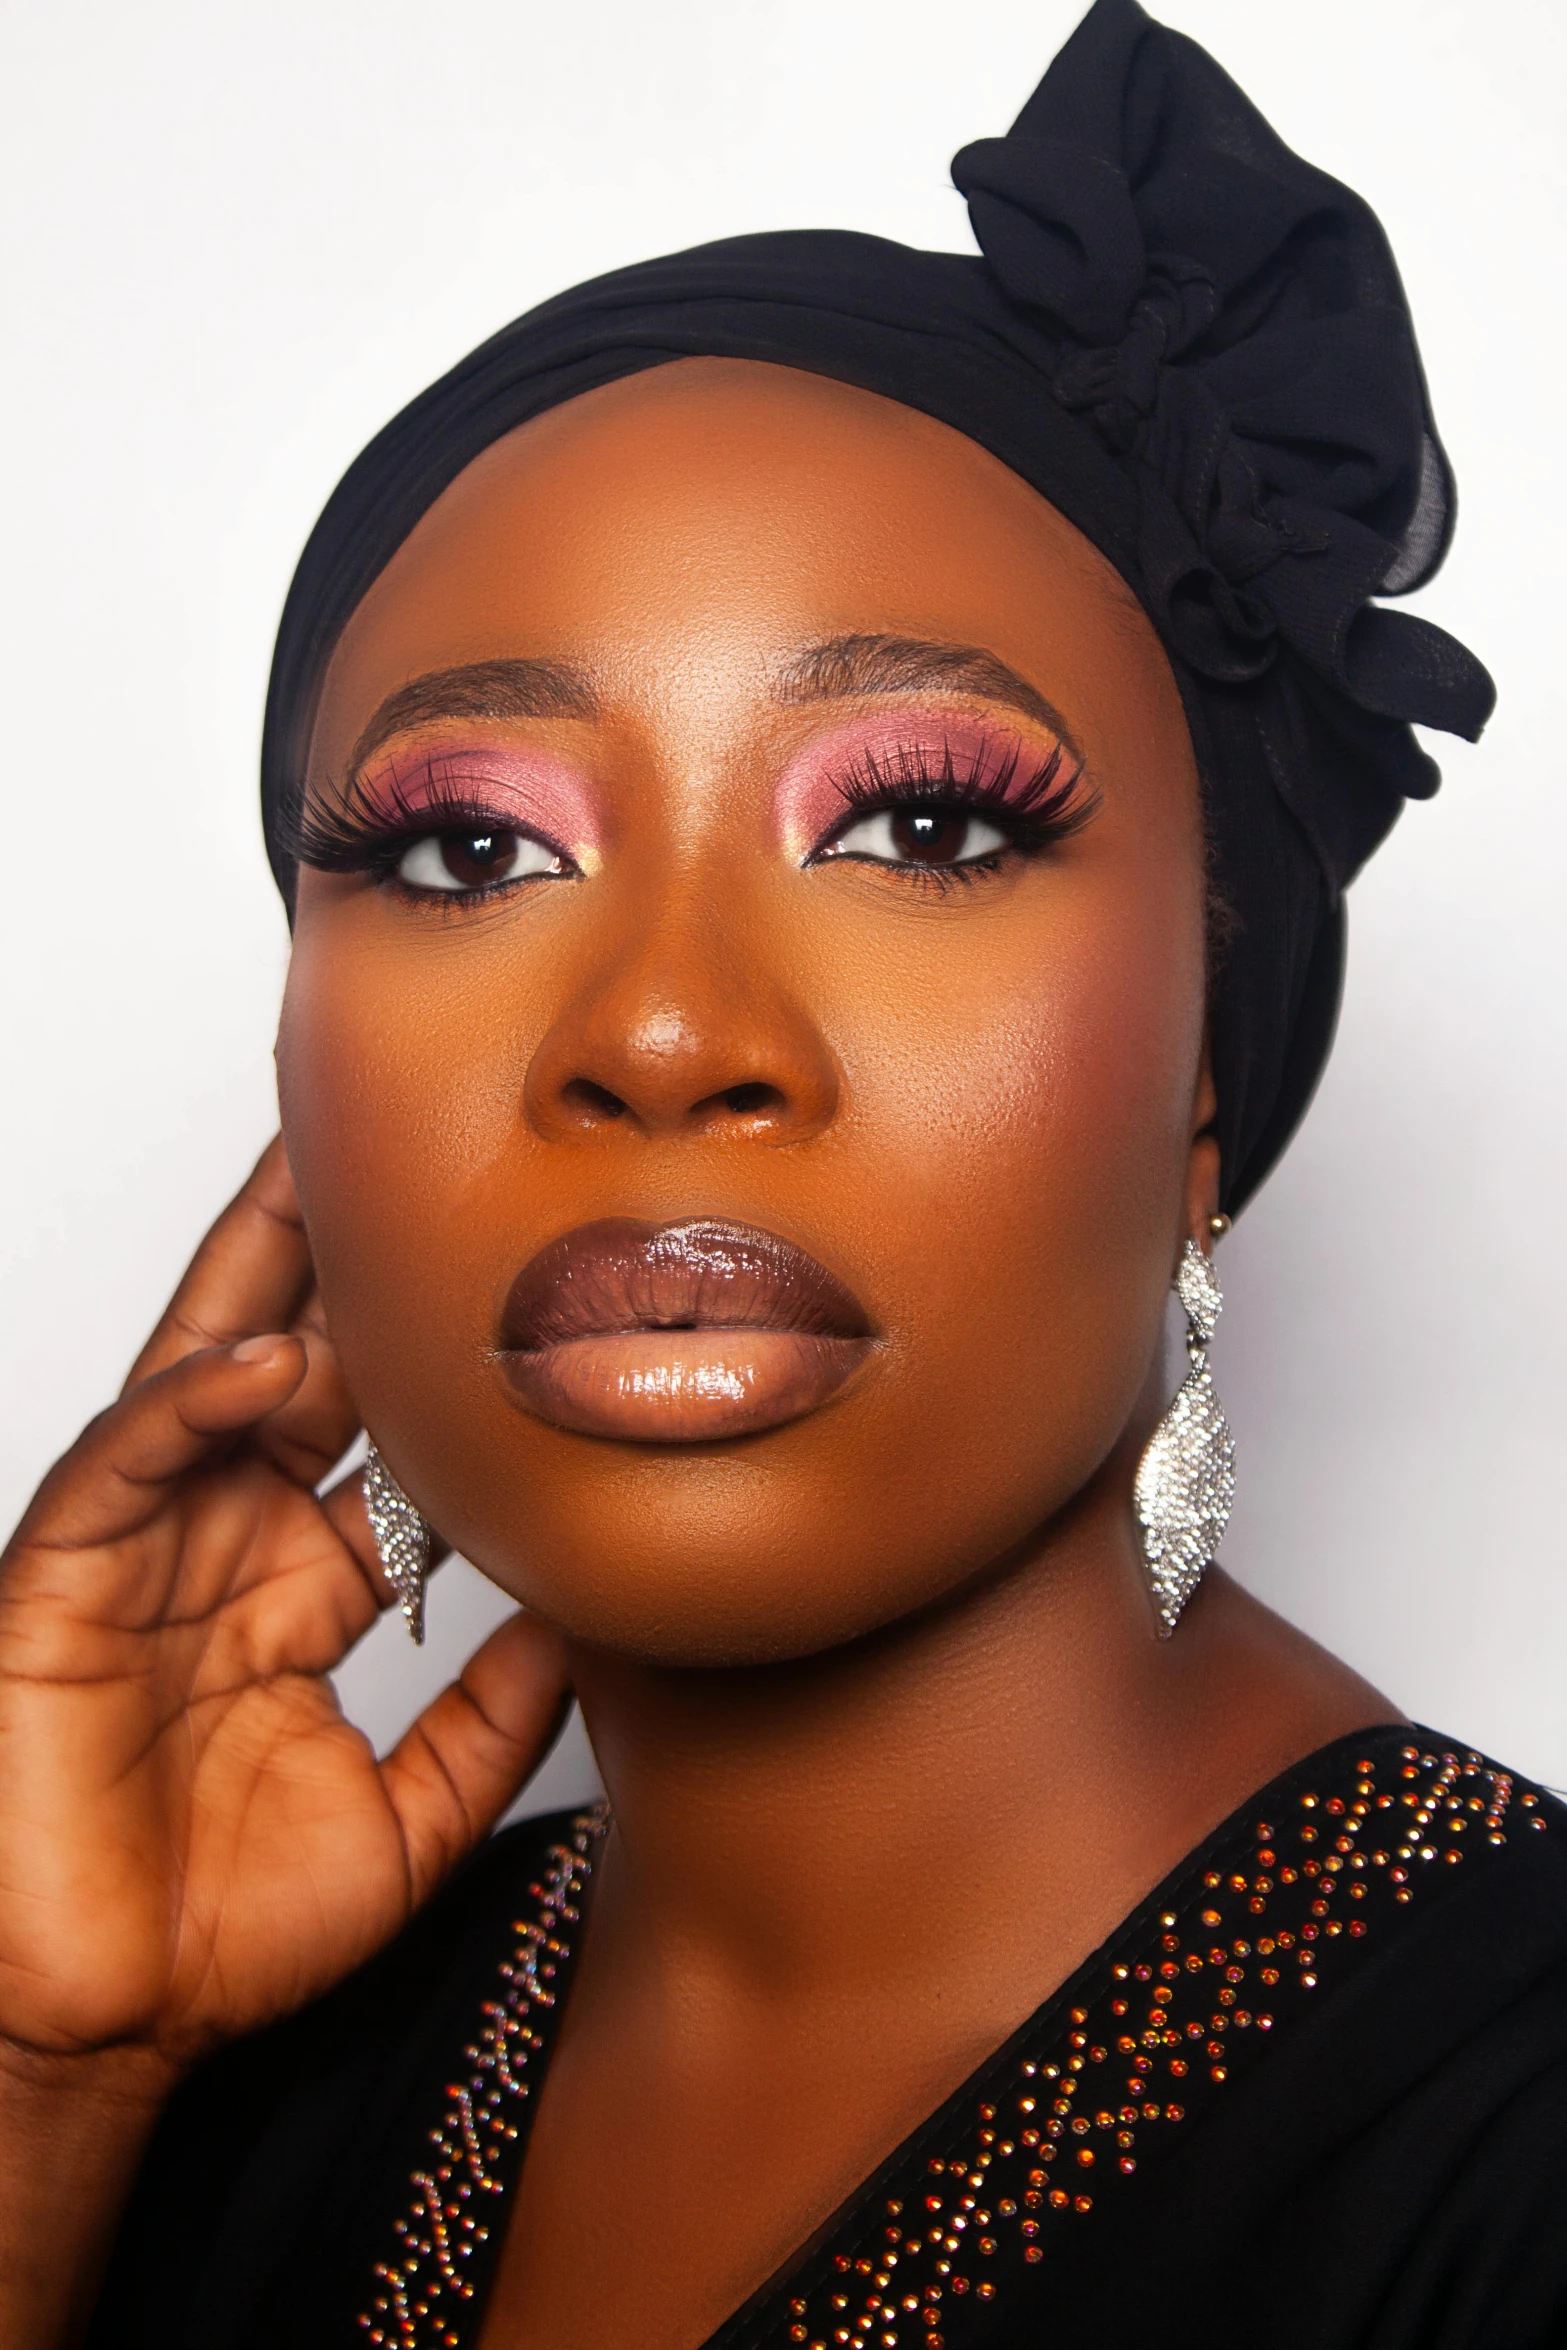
[{"x": 622, "y": 1274}]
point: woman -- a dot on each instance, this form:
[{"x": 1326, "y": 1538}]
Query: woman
[{"x": 814, "y": 784}]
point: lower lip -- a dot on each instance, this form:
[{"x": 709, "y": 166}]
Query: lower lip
[{"x": 682, "y": 1386}]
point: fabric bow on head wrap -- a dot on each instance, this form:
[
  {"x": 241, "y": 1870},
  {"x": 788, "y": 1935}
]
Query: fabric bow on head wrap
[{"x": 1197, "y": 348}]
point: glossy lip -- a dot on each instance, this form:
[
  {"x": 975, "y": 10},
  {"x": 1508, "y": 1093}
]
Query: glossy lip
[{"x": 677, "y": 1333}]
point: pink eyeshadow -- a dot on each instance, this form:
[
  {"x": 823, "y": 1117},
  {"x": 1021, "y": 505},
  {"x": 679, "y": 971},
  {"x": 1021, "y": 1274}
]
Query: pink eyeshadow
[
  {"x": 530, "y": 790},
  {"x": 810, "y": 803}
]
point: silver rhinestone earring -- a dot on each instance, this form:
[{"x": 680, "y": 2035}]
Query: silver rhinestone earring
[
  {"x": 402, "y": 1539},
  {"x": 1186, "y": 1479}
]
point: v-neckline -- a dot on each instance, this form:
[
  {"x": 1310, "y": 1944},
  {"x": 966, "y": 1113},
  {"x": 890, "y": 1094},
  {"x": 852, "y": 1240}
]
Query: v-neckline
[{"x": 1184, "y": 1995}]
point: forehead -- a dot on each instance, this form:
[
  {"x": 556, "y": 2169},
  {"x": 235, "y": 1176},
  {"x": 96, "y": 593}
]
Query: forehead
[{"x": 680, "y": 533}]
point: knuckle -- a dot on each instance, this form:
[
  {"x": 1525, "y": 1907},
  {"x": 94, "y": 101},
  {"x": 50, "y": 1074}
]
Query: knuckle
[{"x": 201, "y": 1333}]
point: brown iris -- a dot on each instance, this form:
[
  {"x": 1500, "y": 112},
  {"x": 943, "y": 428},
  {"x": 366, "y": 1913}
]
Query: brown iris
[
  {"x": 474, "y": 859},
  {"x": 933, "y": 836}
]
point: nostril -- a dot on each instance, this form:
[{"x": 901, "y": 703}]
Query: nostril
[
  {"x": 591, "y": 1102},
  {"x": 749, "y": 1101}
]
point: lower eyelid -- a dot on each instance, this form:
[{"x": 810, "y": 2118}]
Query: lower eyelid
[
  {"x": 976, "y": 818},
  {"x": 437, "y": 880}
]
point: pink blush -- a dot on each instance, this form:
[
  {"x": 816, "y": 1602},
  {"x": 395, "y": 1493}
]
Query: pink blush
[
  {"x": 524, "y": 790},
  {"x": 810, "y": 803}
]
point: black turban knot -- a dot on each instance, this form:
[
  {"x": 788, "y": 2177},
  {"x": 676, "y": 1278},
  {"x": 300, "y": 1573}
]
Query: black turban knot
[{"x": 1197, "y": 348}]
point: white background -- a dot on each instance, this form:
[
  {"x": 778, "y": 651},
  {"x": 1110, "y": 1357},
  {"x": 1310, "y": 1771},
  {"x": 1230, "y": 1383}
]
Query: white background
[{"x": 237, "y": 238}]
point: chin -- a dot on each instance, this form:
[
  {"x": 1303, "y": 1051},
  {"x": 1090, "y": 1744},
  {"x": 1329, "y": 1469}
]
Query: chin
[{"x": 727, "y": 1557}]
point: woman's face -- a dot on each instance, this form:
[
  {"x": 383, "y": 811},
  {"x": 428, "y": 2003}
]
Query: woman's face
[{"x": 743, "y": 803}]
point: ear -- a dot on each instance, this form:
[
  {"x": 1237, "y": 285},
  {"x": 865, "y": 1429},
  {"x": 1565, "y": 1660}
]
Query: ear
[{"x": 1202, "y": 1161}]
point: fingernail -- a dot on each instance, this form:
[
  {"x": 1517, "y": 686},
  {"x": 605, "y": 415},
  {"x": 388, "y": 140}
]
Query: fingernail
[{"x": 257, "y": 1350}]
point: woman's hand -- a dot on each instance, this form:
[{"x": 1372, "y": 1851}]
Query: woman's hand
[{"x": 192, "y": 1838}]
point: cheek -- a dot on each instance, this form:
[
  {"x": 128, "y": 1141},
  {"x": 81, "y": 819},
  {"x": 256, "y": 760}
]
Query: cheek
[
  {"x": 400, "y": 1114},
  {"x": 1029, "y": 1119},
  {"x": 1035, "y": 1071}
]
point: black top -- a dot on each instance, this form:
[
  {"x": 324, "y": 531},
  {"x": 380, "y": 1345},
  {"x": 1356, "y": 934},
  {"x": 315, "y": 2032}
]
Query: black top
[{"x": 1309, "y": 2095}]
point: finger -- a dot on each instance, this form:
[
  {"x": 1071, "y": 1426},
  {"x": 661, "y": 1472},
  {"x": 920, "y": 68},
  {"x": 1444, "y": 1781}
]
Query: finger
[
  {"x": 123, "y": 1467},
  {"x": 251, "y": 1274},
  {"x": 318, "y": 1423},
  {"x": 453, "y": 1773}
]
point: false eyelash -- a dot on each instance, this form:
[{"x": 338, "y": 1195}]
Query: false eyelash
[
  {"x": 1045, "y": 807},
  {"x": 364, "y": 832}
]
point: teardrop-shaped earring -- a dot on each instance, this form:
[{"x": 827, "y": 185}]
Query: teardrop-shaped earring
[
  {"x": 1186, "y": 1479},
  {"x": 403, "y": 1541}
]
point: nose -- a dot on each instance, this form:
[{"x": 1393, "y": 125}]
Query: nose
[{"x": 683, "y": 1032}]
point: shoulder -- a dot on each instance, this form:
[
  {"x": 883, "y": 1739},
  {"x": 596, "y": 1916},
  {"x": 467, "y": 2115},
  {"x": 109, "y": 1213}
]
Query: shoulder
[
  {"x": 1436, "y": 2156},
  {"x": 1345, "y": 2022},
  {"x": 1418, "y": 1890},
  {"x": 281, "y": 2151},
  {"x": 1475, "y": 1857},
  {"x": 1406, "y": 2143}
]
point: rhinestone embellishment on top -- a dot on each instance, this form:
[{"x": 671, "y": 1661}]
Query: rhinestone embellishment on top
[
  {"x": 1082, "y": 2101},
  {"x": 1186, "y": 1480},
  {"x": 1086, "y": 2094},
  {"x": 423, "y": 2292}
]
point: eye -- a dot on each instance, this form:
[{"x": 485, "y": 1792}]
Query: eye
[
  {"x": 915, "y": 835},
  {"x": 476, "y": 859}
]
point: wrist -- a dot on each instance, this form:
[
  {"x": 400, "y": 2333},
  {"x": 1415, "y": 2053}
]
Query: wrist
[
  {"x": 128, "y": 2079},
  {"x": 73, "y": 2129}
]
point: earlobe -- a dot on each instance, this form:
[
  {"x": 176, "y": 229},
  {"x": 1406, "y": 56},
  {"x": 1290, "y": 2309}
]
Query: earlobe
[
  {"x": 1203, "y": 1168},
  {"x": 1202, "y": 1191}
]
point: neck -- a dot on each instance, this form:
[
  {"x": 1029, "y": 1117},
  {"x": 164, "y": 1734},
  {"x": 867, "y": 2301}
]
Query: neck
[{"x": 1006, "y": 1774}]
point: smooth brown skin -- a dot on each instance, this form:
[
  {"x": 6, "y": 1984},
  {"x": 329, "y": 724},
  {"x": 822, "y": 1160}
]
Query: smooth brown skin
[{"x": 889, "y": 1736}]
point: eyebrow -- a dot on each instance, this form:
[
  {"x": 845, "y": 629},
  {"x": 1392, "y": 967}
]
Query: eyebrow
[
  {"x": 855, "y": 667},
  {"x": 479, "y": 689},
  {"x": 844, "y": 668}
]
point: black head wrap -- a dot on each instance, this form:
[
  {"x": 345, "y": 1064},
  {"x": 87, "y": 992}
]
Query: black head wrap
[{"x": 1197, "y": 348}]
